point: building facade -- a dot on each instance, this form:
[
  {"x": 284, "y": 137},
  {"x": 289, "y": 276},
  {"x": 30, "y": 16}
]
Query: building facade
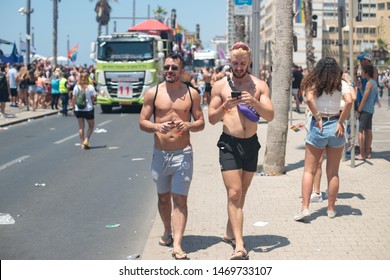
[{"x": 374, "y": 25}]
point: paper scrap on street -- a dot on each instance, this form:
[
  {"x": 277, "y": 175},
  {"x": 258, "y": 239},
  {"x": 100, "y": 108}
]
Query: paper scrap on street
[
  {"x": 6, "y": 219},
  {"x": 100, "y": 130},
  {"x": 113, "y": 225},
  {"x": 137, "y": 159},
  {"x": 260, "y": 224},
  {"x": 133, "y": 257}
]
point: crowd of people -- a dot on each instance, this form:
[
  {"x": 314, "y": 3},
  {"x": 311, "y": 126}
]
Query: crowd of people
[{"x": 40, "y": 85}]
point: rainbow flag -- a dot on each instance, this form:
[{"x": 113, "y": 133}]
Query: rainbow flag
[
  {"x": 72, "y": 53},
  {"x": 294, "y": 128},
  {"x": 300, "y": 14}
]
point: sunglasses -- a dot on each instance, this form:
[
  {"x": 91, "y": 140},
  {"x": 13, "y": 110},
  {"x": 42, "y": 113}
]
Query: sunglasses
[
  {"x": 173, "y": 67},
  {"x": 240, "y": 45}
]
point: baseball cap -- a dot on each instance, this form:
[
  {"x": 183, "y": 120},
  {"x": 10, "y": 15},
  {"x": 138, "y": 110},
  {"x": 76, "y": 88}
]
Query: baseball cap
[{"x": 365, "y": 56}]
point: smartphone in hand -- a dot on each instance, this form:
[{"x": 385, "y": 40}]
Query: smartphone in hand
[{"x": 236, "y": 94}]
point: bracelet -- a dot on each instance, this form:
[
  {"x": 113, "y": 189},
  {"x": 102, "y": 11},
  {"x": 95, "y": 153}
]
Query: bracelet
[
  {"x": 190, "y": 125},
  {"x": 225, "y": 108}
]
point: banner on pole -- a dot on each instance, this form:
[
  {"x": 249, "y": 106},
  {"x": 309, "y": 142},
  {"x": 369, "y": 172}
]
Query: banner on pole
[{"x": 242, "y": 7}]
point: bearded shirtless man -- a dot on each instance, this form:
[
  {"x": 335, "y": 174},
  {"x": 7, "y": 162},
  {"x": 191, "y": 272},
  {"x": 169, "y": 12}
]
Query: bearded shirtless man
[
  {"x": 172, "y": 103},
  {"x": 238, "y": 144}
]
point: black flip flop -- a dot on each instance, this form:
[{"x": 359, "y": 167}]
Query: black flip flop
[
  {"x": 230, "y": 241},
  {"x": 168, "y": 242}
]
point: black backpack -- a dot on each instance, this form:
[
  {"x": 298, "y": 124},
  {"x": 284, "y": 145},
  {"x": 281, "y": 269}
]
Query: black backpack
[{"x": 81, "y": 99}]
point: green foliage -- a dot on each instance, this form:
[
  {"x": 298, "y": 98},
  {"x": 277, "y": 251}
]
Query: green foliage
[{"x": 159, "y": 12}]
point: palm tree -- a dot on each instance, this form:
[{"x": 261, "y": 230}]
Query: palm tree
[
  {"x": 382, "y": 44},
  {"x": 239, "y": 22},
  {"x": 275, "y": 153},
  {"x": 103, "y": 10},
  {"x": 159, "y": 13},
  {"x": 310, "y": 58}
]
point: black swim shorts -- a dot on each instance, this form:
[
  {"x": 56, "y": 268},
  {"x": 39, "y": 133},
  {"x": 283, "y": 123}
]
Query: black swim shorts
[{"x": 238, "y": 153}]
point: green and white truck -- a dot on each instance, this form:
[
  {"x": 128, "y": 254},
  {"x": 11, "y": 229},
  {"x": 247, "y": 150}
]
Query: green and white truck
[{"x": 127, "y": 65}]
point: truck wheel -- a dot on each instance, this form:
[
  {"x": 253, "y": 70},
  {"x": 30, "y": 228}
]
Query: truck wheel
[{"x": 106, "y": 108}]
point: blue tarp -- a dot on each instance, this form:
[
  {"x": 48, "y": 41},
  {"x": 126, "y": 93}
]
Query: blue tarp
[{"x": 14, "y": 57}]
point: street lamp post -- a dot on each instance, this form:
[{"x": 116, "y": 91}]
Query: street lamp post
[
  {"x": 32, "y": 37},
  {"x": 27, "y": 12},
  {"x": 67, "y": 46}
]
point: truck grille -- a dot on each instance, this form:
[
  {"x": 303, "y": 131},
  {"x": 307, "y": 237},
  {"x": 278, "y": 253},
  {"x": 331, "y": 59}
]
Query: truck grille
[{"x": 137, "y": 79}]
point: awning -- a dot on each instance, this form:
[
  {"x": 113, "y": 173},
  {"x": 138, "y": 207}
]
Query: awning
[
  {"x": 150, "y": 25},
  {"x": 5, "y": 42}
]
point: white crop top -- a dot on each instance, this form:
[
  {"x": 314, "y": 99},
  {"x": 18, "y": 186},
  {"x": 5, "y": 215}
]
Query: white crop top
[{"x": 331, "y": 104}]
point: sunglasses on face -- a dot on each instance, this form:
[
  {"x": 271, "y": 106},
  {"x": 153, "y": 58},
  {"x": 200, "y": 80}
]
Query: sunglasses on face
[
  {"x": 242, "y": 46},
  {"x": 173, "y": 67}
]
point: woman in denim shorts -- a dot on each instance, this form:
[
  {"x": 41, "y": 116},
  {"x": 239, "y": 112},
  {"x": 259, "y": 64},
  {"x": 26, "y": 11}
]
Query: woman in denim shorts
[{"x": 324, "y": 90}]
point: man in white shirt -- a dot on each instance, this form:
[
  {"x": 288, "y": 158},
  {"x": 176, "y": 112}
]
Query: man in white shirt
[{"x": 13, "y": 85}]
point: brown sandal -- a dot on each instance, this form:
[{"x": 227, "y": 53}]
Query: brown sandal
[
  {"x": 239, "y": 255},
  {"x": 181, "y": 255}
]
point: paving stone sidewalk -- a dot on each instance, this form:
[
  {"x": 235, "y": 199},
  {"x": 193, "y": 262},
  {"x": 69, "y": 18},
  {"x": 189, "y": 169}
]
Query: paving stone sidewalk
[{"x": 361, "y": 231}]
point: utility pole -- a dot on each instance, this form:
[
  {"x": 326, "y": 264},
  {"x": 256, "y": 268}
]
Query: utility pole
[
  {"x": 351, "y": 73},
  {"x": 67, "y": 47},
  {"x": 256, "y": 38},
  {"x": 32, "y": 37},
  {"x": 28, "y": 36},
  {"x": 341, "y": 13},
  {"x": 133, "y": 12}
]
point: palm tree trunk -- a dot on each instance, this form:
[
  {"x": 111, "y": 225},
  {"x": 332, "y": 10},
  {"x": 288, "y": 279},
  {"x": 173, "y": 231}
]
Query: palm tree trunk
[
  {"x": 310, "y": 58},
  {"x": 275, "y": 153},
  {"x": 55, "y": 33},
  {"x": 240, "y": 28}
]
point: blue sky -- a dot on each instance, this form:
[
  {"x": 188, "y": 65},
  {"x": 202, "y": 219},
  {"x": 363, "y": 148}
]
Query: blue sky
[{"x": 77, "y": 18}]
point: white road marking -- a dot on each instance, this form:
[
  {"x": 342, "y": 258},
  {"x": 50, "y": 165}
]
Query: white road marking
[
  {"x": 66, "y": 139},
  {"x": 76, "y": 135},
  {"x": 103, "y": 123},
  {"x": 15, "y": 161}
]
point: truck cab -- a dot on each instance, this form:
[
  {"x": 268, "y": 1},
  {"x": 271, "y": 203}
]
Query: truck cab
[{"x": 127, "y": 65}]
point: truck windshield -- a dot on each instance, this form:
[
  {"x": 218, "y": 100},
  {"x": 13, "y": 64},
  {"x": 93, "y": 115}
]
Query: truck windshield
[
  {"x": 128, "y": 51},
  {"x": 204, "y": 63}
]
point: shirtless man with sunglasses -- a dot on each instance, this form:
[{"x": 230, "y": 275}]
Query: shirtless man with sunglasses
[
  {"x": 231, "y": 97},
  {"x": 172, "y": 103}
]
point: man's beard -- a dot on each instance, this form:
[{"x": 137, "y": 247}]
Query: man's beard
[
  {"x": 240, "y": 76},
  {"x": 171, "y": 79}
]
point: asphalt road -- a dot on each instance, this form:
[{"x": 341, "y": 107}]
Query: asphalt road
[{"x": 84, "y": 191}]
